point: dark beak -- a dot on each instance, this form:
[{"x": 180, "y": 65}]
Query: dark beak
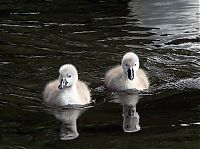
[
  {"x": 63, "y": 84},
  {"x": 130, "y": 74}
]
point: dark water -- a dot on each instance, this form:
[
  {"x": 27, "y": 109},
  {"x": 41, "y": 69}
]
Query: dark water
[{"x": 37, "y": 37}]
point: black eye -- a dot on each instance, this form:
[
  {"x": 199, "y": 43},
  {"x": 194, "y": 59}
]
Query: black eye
[
  {"x": 69, "y": 76},
  {"x": 135, "y": 64},
  {"x": 126, "y": 64}
]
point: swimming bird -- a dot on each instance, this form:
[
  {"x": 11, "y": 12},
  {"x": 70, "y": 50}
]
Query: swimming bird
[
  {"x": 67, "y": 89},
  {"x": 128, "y": 75}
]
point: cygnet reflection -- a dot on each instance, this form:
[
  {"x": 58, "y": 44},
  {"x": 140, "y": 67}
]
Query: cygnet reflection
[
  {"x": 68, "y": 118},
  {"x": 130, "y": 115}
]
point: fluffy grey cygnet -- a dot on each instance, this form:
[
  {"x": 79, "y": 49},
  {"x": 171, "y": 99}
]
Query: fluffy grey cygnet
[
  {"x": 67, "y": 89},
  {"x": 128, "y": 75}
]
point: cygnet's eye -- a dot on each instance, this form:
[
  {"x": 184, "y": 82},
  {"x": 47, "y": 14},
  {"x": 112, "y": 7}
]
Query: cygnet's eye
[
  {"x": 69, "y": 76},
  {"x": 126, "y": 64},
  {"x": 135, "y": 64}
]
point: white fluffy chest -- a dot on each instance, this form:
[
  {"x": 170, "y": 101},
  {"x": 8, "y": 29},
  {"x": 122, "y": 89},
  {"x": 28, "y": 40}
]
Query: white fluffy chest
[
  {"x": 135, "y": 84},
  {"x": 128, "y": 84},
  {"x": 68, "y": 97}
]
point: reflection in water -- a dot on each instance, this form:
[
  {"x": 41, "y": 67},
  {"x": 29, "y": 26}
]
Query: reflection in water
[
  {"x": 176, "y": 22},
  {"x": 68, "y": 118},
  {"x": 130, "y": 115}
]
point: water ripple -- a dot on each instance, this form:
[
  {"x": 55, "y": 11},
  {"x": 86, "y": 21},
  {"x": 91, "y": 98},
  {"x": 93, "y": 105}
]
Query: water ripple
[{"x": 25, "y": 13}]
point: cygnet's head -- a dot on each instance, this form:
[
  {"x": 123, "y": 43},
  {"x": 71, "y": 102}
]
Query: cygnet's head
[
  {"x": 68, "y": 76},
  {"x": 130, "y": 65}
]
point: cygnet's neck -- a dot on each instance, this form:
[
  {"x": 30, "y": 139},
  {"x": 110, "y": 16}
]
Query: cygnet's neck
[
  {"x": 71, "y": 88},
  {"x": 69, "y": 95}
]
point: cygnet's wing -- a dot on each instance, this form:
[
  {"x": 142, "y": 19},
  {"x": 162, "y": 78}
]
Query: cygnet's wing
[
  {"x": 142, "y": 79},
  {"x": 51, "y": 91},
  {"x": 84, "y": 92},
  {"x": 112, "y": 76}
]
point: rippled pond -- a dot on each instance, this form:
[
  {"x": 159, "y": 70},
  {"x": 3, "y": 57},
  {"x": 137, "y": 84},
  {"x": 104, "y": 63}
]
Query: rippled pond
[{"x": 37, "y": 37}]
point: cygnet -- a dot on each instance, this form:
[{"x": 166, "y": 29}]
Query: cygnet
[
  {"x": 67, "y": 89},
  {"x": 128, "y": 75}
]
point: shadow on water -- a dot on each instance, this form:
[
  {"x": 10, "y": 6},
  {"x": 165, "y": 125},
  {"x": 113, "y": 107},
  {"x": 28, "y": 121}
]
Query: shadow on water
[{"x": 37, "y": 37}]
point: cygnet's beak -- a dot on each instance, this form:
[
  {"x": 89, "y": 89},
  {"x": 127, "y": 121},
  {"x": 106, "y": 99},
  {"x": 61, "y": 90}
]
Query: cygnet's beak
[
  {"x": 130, "y": 74},
  {"x": 63, "y": 84}
]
